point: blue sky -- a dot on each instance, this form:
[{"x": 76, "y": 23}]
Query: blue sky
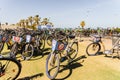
[{"x": 64, "y": 13}]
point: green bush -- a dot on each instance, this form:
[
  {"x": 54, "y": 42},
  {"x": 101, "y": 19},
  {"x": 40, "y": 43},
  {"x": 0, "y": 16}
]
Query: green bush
[{"x": 117, "y": 30}]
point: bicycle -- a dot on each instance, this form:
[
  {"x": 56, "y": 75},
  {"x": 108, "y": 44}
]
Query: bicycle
[
  {"x": 115, "y": 46},
  {"x": 5, "y": 37},
  {"x": 34, "y": 43},
  {"x": 53, "y": 59},
  {"x": 28, "y": 48},
  {"x": 10, "y": 68},
  {"x": 95, "y": 47},
  {"x": 21, "y": 46}
]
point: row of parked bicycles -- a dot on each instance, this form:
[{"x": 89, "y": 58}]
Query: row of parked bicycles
[
  {"x": 64, "y": 45},
  {"x": 28, "y": 42}
]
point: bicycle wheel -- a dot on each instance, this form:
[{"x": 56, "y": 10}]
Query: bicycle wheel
[
  {"x": 52, "y": 66},
  {"x": 92, "y": 49},
  {"x": 49, "y": 40},
  {"x": 42, "y": 44},
  {"x": 9, "y": 69},
  {"x": 14, "y": 50},
  {"x": 73, "y": 50},
  {"x": 28, "y": 51},
  {"x": 1, "y": 46}
]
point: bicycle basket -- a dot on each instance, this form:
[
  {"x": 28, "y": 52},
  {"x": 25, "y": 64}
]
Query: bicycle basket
[
  {"x": 56, "y": 45},
  {"x": 61, "y": 46},
  {"x": 16, "y": 39},
  {"x": 96, "y": 39},
  {"x": 4, "y": 38},
  {"x": 28, "y": 38}
]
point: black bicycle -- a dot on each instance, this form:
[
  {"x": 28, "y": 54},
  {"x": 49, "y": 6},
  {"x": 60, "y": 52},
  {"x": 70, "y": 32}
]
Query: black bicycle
[
  {"x": 10, "y": 68},
  {"x": 95, "y": 47}
]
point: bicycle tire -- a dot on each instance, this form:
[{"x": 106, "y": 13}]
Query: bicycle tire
[
  {"x": 1, "y": 46},
  {"x": 5, "y": 73},
  {"x": 93, "y": 45},
  {"x": 73, "y": 52},
  {"x": 49, "y": 40},
  {"x": 25, "y": 54},
  {"x": 42, "y": 44},
  {"x": 14, "y": 49},
  {"x": 49, "y": 70}
]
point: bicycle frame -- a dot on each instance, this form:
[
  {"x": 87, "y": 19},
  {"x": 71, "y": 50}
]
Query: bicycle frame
[{"x": 116, "y": 43}]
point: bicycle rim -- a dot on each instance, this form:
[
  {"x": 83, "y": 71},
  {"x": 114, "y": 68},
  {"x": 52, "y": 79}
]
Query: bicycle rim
[
  {"x": 28, "y": 52},
  {"x": 14, "y": 48},
  {"x": 42, "y": 43},
  {"x": 1, "y": 46},
  {"x": 49, "y": 40},
  {"x": 73, "y": 50},
  {"x": 92, "y": 49}
]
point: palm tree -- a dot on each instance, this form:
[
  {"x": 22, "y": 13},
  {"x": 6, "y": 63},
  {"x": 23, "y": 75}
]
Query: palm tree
[
  {"x": 30, "y": 19},
  {"x": 45, "y": 21},
  {"x": 22, "y": 23},
  {"x": 26, "y": 23},
  {"x": 34, "y": 26},
  {"x": 18, "y": 24},
  {"x": 37, "y": 19}
]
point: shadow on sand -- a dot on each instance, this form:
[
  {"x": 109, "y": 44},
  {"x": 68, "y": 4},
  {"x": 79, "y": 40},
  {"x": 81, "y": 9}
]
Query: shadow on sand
[
  {"x": 39, "y": 54},
  {"x": 73, "y": 65},
  {"x": 31, "y": 77}
]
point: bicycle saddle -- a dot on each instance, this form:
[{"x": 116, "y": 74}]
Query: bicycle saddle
[{"x": 71, "y": 36}]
